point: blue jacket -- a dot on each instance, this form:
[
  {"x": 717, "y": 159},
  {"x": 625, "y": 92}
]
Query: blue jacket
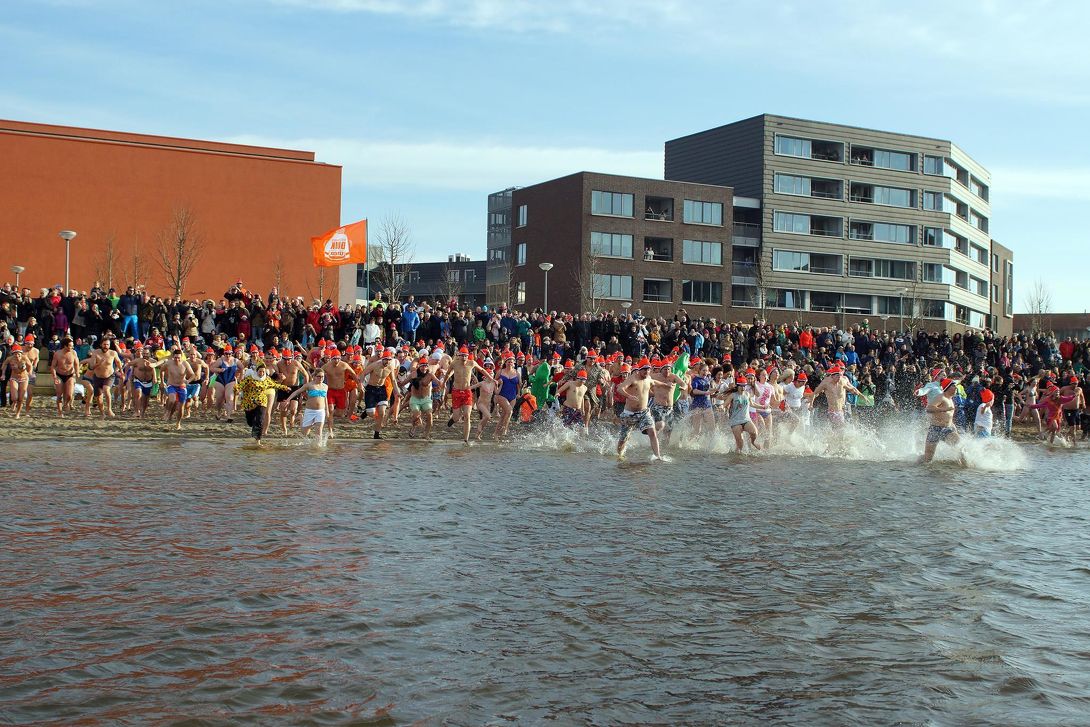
[{"x": 410, "y": 321}]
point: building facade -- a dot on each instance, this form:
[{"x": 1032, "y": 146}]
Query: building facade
[
  {"x": 857, "y": 223},
  {"x": 254, "y": 209},
  {"x": 498, "y": 246},
  {"x": 436, "y": 282},
  {"x": 619, "y": 242}
]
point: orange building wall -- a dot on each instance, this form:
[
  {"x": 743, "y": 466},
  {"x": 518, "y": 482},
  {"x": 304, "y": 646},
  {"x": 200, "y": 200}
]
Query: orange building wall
[{"x": 251, "y": 205}]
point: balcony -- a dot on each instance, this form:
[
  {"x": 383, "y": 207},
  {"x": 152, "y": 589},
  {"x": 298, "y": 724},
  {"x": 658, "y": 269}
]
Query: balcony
[
  {"x": 743, "y": 273},
  {"x": 658, "y": 249},
  {"x": 747, "y": 234},
  {"x": 660, "y": 209},
  {"x": 657, "y": 291},
  {"x": 826, "y": 151},
  {"x": 826, "y": 189},
  {"x": 825, "y": 226}
]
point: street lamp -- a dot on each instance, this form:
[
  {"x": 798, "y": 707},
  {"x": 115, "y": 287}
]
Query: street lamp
[
  {"x": 546, "y": 267},
  {"x": 901, "y": 310},
  {"x": 67, "y": 235},
  {"x": 17, "y": 269},
  {"x": 885, "y": 326},
  {"x": 626, "y": 305}
]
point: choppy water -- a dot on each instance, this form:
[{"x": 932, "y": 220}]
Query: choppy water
[{"x": 400, "y": 583}]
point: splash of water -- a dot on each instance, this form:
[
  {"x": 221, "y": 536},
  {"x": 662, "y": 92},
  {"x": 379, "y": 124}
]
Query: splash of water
[{"x": 896, "y": 438}]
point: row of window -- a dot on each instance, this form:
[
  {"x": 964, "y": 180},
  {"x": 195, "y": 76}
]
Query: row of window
[
  {"x": 622, "y": 204},
  {"x": 869, "y": 156},
  {"x": 697, "y": 252},
  {"x": 658, "y": 290},
  {"x": 748, "y": 296},
  {"x": 792, "y": 261}
]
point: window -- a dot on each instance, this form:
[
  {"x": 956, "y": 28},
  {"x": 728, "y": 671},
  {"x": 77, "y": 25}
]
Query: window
[
  {"x": 995, "y": 263},
  {"x": 792, "y": 147},
  {"x": 892, "y": 269},
  {"x": 825, "y": 302},
  {"x": 702, "y": 213},
  {"x": 520, "y": 254},
  {"x": 807, "y": 262},
  {"x": 952, "y": 206},
  {"x": 889, "y": 305},
  {"x": 658, "y": 290},
  {"x": 978, "y": 221},
  {"x": 469, "y": 276},
  {"x": 1008, "y": 303},
  {"x": 701, "y": 252},
  {"x": 894, "y": 196},
  {"x": 995, "y": 293},
  {"x": 520, "y": 293},
  {"x": 860, "y": 267},
  {"x": 854, "y": 303},
  {"x": 978, "y": 188},
  {"x": 933, "y": 309},
  {"x": 883, "y": 158},
  {"x": 702, "y": 291},
  {"x": 453, "y": 276},
  {"x": 788, "y": 222},
  {"x": 781, "y": 298},
  {"x": 610, "y": 244},
  {"x": 743, "y": 296},
  {"x": 497, "y": 254},
  {"x": 978, "y": 286},
  {"x": 522, "y": 215},
  {"x": 932, "y": 165},
  {"x": 794, "y": 262},
  {"x": 937, "y": 273},
  {"x": 932, "y": 236},
  {"x": 961, "y": 279},
  {"x": 979, "y": 254},
  {"x": 611, "y": 203},
  {"x": 882, "y": 232},
  {"x": 788, "y": 184},
  {"x": 932, "y": 201},
  {"x": 613, "y": 286}
]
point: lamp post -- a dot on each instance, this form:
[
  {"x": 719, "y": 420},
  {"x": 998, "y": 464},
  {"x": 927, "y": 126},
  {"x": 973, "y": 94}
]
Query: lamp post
[
  {"x": 626, "y": 305},
  {"x": 67, "y": 236},
  {"x": 17, "y": 269},
  {"x": 546, "y": 267},
  {"x": 901, "y": 310},
  {"x": 885, "y": 327}
]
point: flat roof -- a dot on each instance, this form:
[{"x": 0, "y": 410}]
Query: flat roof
[{"x": 75, "y": 133}]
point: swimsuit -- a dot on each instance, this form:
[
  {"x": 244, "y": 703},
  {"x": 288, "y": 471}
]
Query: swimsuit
[
  {"x": 179, "y": 391},
  {"x": 338, "y": 399},
  {"x": 571, "y": 416},
  {"x": 509, "y": 387},
  {"x": 635, "y": 420},
  {"x": 700, "y": 399},
  {"x": 661, "y": 412},
  {"x": 374, "y": 397},
  {"x": 936, "y": 433},
  {"x": 461, "y": 397},
  {"x": 227, "y": 376}
]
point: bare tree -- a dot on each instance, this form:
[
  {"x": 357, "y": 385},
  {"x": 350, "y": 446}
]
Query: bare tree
[
  {"x": 392, "y": 253},
  {"x": 587, "y": 281},
  {"x": 1039, "y": 305},
  {"x": 278, "y": 271},
  {"x": 107, "y": 262},
  {"x": 179, "y": 249},
  {"x": 137, "y": 267}
]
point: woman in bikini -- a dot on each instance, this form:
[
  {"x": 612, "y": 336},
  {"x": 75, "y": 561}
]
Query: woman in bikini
[{"x": 316, "y": 409}]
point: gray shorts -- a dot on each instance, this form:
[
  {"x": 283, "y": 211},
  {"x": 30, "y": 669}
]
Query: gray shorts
[
  {"x": 635, "y": 420},
  {"x": 661, "y": 412}
]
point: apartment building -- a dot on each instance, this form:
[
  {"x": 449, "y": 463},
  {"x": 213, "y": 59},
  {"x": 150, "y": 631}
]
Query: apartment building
[
  {"x": 620, "y": 243},
  {"x": 857, "y": 223}
]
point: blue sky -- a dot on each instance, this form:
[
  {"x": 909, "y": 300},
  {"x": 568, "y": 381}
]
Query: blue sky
[{"x": 431, "y": 105}]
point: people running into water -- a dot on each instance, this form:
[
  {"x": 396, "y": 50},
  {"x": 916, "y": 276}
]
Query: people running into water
[{"x": 940, "y": 413}]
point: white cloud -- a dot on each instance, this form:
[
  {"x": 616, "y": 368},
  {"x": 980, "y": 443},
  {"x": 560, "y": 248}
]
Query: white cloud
[{"x": 469, "y": 166}]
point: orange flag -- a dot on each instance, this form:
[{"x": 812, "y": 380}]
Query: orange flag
[{"x": 347, "y": 244}]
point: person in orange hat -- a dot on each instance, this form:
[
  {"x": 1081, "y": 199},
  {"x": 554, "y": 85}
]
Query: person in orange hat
[
  {"x": 738, "y": 414},
  {"x": 940, "y": 412},
  {"x": 30, "y": 348},
  {"x": 1072, "y": 410},
  {"x": 377, "y": 377},
  {"x": 835, "y": 386},
  {"x": 461, "y": 374},
  {"x": 509, "y": 380},
  {"x": 420, "y": 380},
  {"x": 18, "y": 365},
  {"x": 336, "y": 377},
  {"x": 662, "y": 397},
  {"x": 143, "y": 379},
  {"x": 636, "y": 391},
  {"x": 177, "y": 375},
  {"x": 291, "y": 372},
  {"x": 1052, "y": 402},
  {"x": 65, "y": 367},
  {"x": 105, "y": 366},
  {"x": 982, "y": 425}
]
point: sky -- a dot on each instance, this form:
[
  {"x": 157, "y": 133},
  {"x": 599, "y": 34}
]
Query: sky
[{"x": 430, "y": 105}]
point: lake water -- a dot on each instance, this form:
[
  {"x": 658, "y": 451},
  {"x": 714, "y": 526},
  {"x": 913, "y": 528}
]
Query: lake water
[{"x": 542, "y": 582}]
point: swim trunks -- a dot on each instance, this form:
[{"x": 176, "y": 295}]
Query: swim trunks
[
  {"x": 836, "y": 418},
  {"x": 178, "y": 391},
  {"x": 461, "y": 397},
  {"x": 192, "y": 391},
  {"x": 338, "y": 399},
  {"x": 630, "y": 420},
  {"x": 661, "y": 412},
  {"x": 571, "y": 416},
  {"x": 420, "y": 403},
  {"x": 1073, "y": 417},
  {"x": 374, "y": 397},
  {"x": 938, "y": 434},
  {"x": 144, "y": 386}
]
